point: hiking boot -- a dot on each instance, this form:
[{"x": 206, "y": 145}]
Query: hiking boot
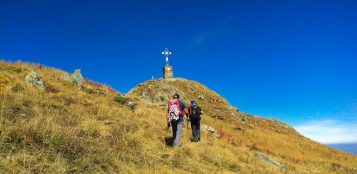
[{"x": 192, "y": 139}]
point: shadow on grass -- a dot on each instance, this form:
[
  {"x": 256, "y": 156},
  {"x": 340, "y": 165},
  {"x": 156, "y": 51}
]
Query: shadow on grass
[{"x": 169, "y": 141}]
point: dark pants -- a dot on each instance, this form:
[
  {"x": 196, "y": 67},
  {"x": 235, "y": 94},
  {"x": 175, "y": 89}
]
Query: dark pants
[{"x": 195, "y": 125}]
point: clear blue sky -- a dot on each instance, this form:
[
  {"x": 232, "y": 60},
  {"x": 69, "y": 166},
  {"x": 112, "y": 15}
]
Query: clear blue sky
[{"x": 295, "y": 61}]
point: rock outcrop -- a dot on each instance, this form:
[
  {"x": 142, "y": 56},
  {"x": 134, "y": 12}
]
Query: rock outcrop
[
  {"x": 35, "y": 80},
  {"x": 75, "y": 78}
]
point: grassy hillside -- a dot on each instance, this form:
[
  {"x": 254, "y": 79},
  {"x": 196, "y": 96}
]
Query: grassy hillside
[{"x": 90, "y": 129}]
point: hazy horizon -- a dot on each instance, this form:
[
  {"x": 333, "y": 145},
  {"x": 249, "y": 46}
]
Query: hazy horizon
[{"x": 345, "y": 147}]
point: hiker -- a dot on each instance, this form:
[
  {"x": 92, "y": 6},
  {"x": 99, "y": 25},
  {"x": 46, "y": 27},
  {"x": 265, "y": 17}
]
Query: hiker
[
  {"x": 175, "y": 114},
  {"x": 194, "y": 116}
]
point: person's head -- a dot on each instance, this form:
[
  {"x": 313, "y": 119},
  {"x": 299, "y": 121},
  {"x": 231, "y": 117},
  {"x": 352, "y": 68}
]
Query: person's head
[
  {"x": 193, "y": 103},
  {"x": 176, "y": 96}
]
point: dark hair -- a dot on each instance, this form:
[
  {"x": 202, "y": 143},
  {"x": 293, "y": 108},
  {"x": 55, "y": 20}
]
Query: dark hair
[{"x": 176, "y": 96}]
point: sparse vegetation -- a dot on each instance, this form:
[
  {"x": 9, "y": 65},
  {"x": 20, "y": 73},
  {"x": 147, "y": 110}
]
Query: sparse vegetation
[
  {"x": 67, "y": 130},
  {"x": 120, "y": 99},
  {"x": 88, "y": 90},
  {"x": 18, "y": 87}
]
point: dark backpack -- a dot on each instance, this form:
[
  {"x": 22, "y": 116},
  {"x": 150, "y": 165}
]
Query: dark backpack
[{"x": 194, "y": 112}]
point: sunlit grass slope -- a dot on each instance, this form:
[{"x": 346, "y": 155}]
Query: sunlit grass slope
[{"x": 70, "y": 129}]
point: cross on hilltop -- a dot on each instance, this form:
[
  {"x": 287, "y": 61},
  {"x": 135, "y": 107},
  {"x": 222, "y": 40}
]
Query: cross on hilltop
[
  {"x": 166, "y": 53},
  {"x": 167, "y": 71}
]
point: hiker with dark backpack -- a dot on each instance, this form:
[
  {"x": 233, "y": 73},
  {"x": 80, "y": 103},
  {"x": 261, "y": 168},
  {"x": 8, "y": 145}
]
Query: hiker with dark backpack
[
  {"x": 194, "y": 115},
  {"x": 175, "y": 114}
]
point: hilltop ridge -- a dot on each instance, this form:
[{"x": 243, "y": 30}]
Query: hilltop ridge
[
  {"x": 89, "y": 128},
  {"x": 158, "y": 91}
]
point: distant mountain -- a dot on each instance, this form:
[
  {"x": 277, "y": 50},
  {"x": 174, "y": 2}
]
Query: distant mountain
[{"x": 350, "y": 148}]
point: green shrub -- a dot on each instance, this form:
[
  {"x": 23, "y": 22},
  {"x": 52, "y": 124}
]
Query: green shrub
[
  {"x": 18, "y": 87},
  {"x": 88, "y": 90},
  {"x": 56, "y": 142},
  {"x": 120, "y": 99}
]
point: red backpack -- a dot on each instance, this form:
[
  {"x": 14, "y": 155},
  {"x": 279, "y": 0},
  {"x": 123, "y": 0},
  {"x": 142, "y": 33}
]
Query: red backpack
[{"x": 173, "y": 110}]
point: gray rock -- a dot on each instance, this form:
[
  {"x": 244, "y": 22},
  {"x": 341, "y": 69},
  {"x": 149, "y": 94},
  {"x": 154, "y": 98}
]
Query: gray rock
[
  {"x": 269, "y": 160},
  {"x": 100, "y": 92},
  {"x": 205, "y": 127},
  {"x": 213, "y": 131},
  {"x": 75, "y": 78},
  {"x": 131, "y": 105},
  {"x": 35, "y": 80}
]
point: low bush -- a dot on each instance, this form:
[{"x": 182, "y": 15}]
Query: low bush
[
  {"x": 121, "y": 100},
  {"x": 88, "y": 90},
  {"x": 18, "y": 87}
]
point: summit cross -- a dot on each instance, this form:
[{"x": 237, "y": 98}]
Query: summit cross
[{"x": 166, "y": 53}]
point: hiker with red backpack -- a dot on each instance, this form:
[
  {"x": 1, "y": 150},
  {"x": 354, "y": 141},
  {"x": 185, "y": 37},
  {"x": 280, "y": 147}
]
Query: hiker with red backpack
[
  {"x": 175, "y": 114},
  {"x": 194, "y": 116}
]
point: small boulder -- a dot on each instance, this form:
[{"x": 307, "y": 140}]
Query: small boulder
[
  {"x": 35, "y": 80},
  {"x": 131, "y": 105},
  {"x": 205, "y": 127},
  {"x": 101, "y": 92},
  {"x": 211, "y": 130}
]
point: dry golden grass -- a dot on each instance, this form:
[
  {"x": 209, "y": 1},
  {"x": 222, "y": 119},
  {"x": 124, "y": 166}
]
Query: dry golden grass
[{"x": 68, "y": 129}]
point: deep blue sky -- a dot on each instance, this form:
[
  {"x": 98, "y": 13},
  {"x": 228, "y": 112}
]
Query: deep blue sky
[{"x": 295, "y": 61}]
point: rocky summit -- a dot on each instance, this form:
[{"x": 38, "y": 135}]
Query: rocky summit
[{"x": 50, "y": 125}]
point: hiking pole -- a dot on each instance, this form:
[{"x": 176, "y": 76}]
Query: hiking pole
[
  {"x": 187, "y": 120},
  {"x": 168, "y": 127},
  {"x": 187, "y": 123}
]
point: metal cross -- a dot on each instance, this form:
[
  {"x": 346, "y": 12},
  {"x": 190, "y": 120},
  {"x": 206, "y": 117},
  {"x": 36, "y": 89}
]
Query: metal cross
[{"x": 166, "y": 53}]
